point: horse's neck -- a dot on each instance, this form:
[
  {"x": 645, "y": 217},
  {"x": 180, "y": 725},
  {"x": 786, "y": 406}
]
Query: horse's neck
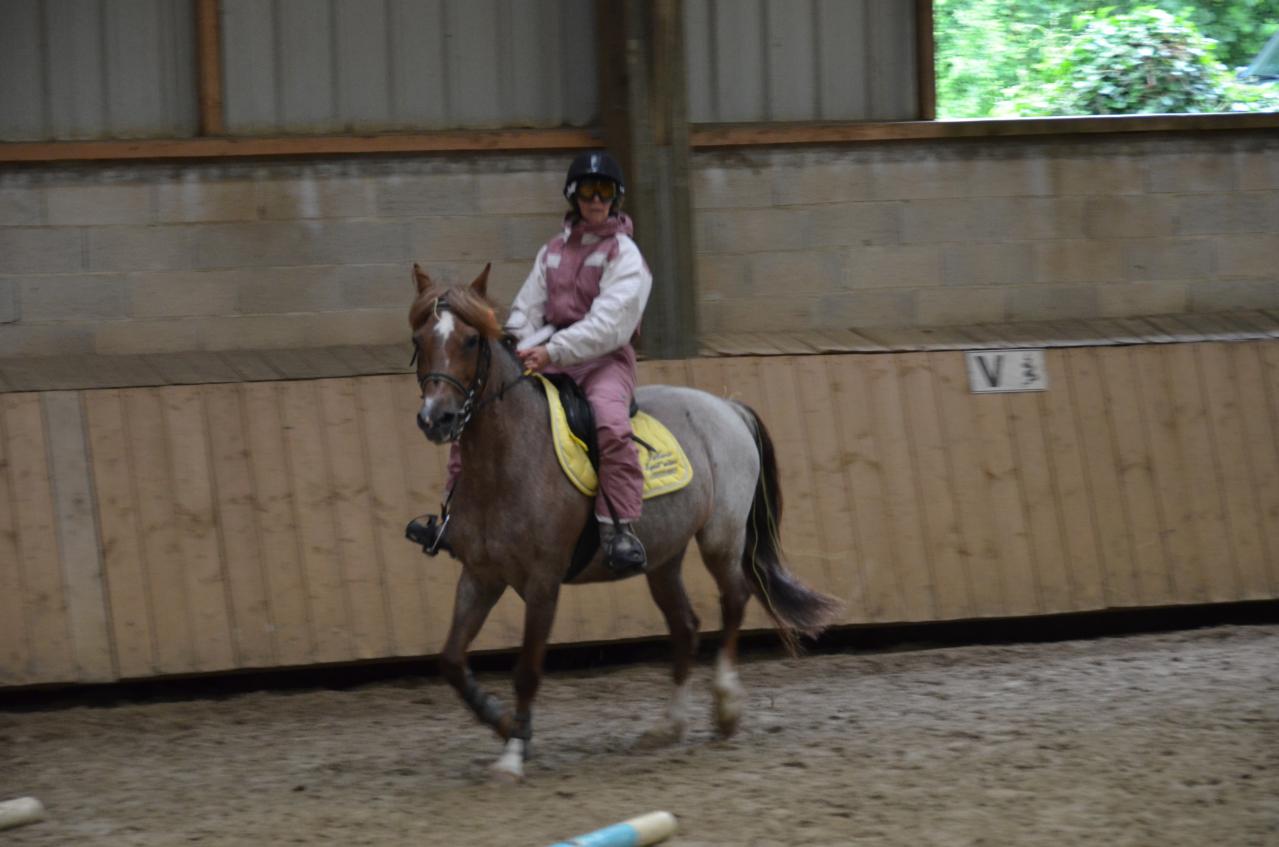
[{"x": 504, "y": 431}]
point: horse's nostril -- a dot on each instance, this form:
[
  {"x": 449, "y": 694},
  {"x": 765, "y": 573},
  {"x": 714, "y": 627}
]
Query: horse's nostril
[{"x": 423, "y": 422}]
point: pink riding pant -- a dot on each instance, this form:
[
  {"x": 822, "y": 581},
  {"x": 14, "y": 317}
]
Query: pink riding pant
[{"x": 609, "y": 384}]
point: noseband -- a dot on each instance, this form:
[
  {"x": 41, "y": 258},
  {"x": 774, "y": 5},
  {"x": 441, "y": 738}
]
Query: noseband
[{"x": 470, "y": 393}]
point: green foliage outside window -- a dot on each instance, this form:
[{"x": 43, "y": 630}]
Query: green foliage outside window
[{"x": 1070, "y": 57}]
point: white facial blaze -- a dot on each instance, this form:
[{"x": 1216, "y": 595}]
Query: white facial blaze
[{"x": 444, "y": 326}]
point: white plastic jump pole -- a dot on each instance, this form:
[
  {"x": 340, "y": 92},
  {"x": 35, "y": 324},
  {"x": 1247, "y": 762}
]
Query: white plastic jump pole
[
  {"x": 636, "y": 832},
  {"x": 20, "y": 811}
]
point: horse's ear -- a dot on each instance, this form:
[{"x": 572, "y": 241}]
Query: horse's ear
[
  {"x": 480, "y": 286},
  {"x": 419, "y": 276}
]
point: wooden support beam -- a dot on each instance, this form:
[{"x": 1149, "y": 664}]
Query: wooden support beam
[
  {"x": 925, "y": 61},
  {"x": 614, "y": 118},
  {"x": 706, "y": 136},
  {"x": 208, "y": 23},
  {"x": 675, "y": 335},
  {"x": 646, "y": 121},
  {"x": 314, "y": 145},
  {"x": 701, "y": 137}
]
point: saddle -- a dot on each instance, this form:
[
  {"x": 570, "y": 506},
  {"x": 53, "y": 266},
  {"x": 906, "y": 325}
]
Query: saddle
[{"x": 665, "y": 465}]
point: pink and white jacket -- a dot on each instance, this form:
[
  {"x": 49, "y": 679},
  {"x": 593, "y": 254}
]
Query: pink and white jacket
[{"x": 586, "y": 293}]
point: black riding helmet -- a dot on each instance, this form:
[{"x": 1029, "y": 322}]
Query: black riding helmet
[{"x": 596, "y": 164}]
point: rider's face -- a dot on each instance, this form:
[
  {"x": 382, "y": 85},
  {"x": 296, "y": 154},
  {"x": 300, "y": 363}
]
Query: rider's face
[{"x": 593, "y": 210}]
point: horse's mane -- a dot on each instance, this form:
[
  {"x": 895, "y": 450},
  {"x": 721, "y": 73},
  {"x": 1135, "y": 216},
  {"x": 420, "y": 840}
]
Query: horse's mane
[{"x": 463, "y": 301}]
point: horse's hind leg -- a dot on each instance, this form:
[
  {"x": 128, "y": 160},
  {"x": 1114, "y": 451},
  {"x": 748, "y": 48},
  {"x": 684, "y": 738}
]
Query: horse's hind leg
[
  {"x": 666, "y": 584},
  {"x": 723, "y": 559}
]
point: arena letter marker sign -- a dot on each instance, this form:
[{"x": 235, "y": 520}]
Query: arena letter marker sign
[{"x": 1001, "y": 371}]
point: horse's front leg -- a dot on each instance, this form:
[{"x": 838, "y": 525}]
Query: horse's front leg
[
  {"x": 472, "y": 603},
  {"x": 539, "y": 614}
]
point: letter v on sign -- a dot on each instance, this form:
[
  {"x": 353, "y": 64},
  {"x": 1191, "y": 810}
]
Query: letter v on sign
[{"x": 995, "y": 371}]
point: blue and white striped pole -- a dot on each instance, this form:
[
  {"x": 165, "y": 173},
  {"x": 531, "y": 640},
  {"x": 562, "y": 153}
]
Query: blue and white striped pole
[{"x": 636, "y": 832}]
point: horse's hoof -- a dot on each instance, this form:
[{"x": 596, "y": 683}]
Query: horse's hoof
[
  {"x": 726, "y": 724},
  {"x": 509, "y": 769},
  {"x": 506, "y": 776},
  {"x": 728, "y": 708},
  {"x": 662, "y": 735}
]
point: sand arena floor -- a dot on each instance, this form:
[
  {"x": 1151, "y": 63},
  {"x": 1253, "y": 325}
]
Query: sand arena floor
[{"x": 1157, "y": 739}]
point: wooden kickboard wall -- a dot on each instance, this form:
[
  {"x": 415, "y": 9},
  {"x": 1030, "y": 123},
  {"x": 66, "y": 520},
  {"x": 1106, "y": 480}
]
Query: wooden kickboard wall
[{"x": 197, "y": 528}]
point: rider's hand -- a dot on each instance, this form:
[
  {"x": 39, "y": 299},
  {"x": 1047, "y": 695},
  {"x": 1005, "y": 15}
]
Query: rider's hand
[{"x": 535, "y": 358}]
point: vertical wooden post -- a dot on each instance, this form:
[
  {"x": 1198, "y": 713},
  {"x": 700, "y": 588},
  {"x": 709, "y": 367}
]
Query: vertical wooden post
[
  {"x": 644, "y": 91},
  {"x": 208, "y": 27},
  {"x": 610, "y": 34},
  {"x": 925, "y": 60}
]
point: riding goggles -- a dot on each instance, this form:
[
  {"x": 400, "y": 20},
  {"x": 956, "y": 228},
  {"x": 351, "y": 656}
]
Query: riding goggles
[{"x": 600, "y": 189}]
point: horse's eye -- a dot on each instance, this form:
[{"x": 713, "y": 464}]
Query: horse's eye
[{"x": 471, "y": 342}]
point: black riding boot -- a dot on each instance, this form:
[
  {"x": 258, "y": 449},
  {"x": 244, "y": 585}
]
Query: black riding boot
[
  {"x": 428, "y": 530},
  {"x": 623, "y": 551}
]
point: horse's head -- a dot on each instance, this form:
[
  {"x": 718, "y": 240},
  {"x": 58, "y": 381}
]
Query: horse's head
[{"x": 452, "y": 328}]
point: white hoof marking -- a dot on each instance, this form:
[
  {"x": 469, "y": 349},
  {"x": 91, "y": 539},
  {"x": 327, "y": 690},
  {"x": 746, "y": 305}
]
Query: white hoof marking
[
  {"x": 678, "y": 711},
  {"x": 729, "y": 697},
  {"x": 511, "y": 764}
]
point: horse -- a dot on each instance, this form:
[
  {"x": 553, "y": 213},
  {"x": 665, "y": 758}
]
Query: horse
[{"x": 514, "y": 518}]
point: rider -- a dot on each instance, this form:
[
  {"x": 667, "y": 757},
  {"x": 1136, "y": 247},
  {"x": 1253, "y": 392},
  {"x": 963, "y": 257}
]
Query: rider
[{"x": 577, "y": 313}]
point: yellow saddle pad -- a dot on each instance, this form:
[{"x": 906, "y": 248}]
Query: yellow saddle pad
[{"x": 666, "y": 467}]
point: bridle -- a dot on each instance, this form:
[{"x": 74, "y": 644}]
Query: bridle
[{"x": 471, "y": 400}]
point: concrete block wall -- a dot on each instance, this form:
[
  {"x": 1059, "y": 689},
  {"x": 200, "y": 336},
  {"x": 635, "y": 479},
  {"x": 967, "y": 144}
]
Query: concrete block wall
[
  {"x": 164, "y": 258},
  {"x": 967, "y": 231},
  {"x": 154, "y": 258}
]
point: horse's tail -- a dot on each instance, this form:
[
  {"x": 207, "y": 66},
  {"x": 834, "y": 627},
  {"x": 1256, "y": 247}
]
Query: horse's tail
[{"x": 794, "y": 607}]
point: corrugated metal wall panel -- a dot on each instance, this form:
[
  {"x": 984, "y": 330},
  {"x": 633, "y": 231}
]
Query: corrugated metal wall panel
[
  {"x": 792, "y": 85},
  {"x": 472, "y": 45},
  {"x": 364, "y": 60},
  {"x": 367, "y": 65},
  {"x": 77, "y": 95},
  {"x": 127, "y": 68},
  {"x": 304, "y": 39},
  {"x": 144, "y": 79},
  {"x": 581, "y": 89},
  {"x": 737, "y": 43},
  {"x": 890, "y": 32},
  {"x": 844, "y": 86},
  {"x": 23, "y": 105},
  {"x": 793, "y": 60},
  {"x": 698, "y": 59},
  {"x": 417, "y": 65},
  {"x": 529, "y": 39},
  {"x": 250, "y": 72},
  {"x": 86, "y": 69}
]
